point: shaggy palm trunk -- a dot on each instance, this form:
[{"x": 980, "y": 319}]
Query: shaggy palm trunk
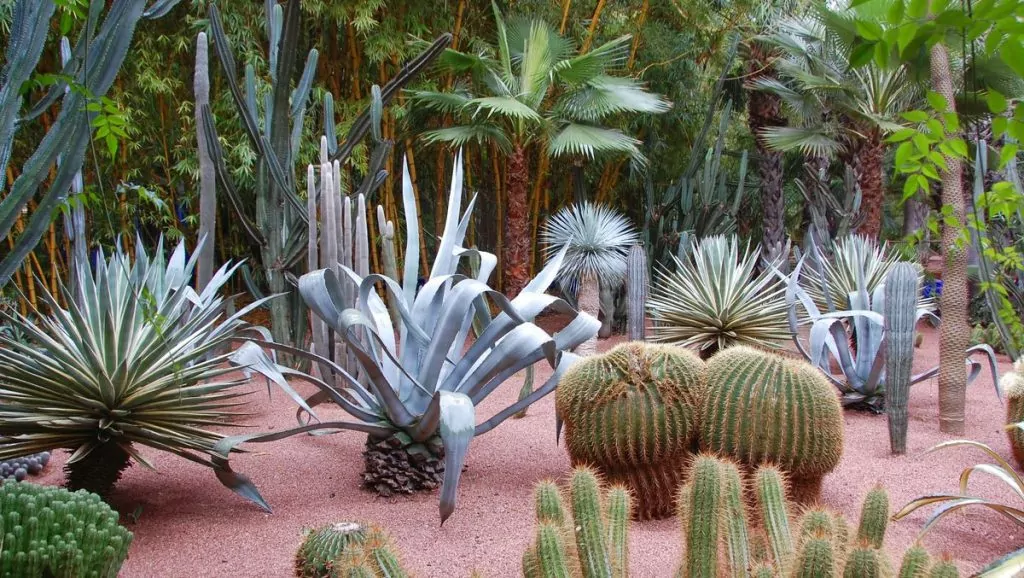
[
  {"x": 516, "y": 254},
  {"x": 955, "y": 333},
  {"x": 765, "y": 110},
  {"x": 607, "y": 296},
  {"x": 397, "y": 465},
  {"x": 915, "y": 217},
  {"x": 98, "y": 471},
  {"x": 869, "y": 160},
  {"x": 589, "y": 301}
]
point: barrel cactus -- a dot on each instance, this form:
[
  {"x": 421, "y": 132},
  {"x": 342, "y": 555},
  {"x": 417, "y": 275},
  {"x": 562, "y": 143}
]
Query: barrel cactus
[
  {"x": 763, "y": 408},
  {"x": 347, "y": 549},
  {"x": 631, "y": 413},
  {"x": 50, "y": 531},
  {"x": 1012, "y": 385}
]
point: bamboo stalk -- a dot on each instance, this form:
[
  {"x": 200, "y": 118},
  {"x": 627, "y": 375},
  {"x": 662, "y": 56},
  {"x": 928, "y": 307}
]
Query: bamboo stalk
[
  {"x": 565, "y": 16},
  {"x": 636, "y": 37},
  {"x": 350, "y": 33},
  {"x": 593, "y": 27}
]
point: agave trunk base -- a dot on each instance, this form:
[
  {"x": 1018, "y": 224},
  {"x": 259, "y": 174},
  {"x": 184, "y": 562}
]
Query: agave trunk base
[
  {"x": 397, "y": 465},
  {"x": 99, "y": 471}
]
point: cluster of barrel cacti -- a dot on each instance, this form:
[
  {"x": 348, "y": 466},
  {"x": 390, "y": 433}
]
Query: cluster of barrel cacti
[
  {"x": 721, "y": 537},
  {"x": 49, "y": 531},
  {"x": 639, "y": 412},
  {"x": 20, "y": 468},
  {"x": 1012, "y": 385},
  {"x": 348, "y": 549}
]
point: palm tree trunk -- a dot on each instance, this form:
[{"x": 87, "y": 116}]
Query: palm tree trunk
[
  {"x": 765, "y": 110},
  {"x": 516, "y": 252},
  {"x": 870, "y": 156},
  {"x": 954, "y": 337},
  {"x": 588, "y": 299},
  {"x": 915, "y": 216}
]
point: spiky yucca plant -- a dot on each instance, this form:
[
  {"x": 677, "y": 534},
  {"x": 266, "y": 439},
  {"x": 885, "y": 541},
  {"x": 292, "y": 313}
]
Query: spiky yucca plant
[
  {"x": 596, "y": 240},
  {"x": 714, "y": 300},
  {"x": 137, "y": 358}
]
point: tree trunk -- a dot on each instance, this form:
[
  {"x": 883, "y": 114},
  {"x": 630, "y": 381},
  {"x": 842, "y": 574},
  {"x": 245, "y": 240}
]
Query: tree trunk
[
  {"x": 98, "y": 471},
  {"x": 954, "y": 336},
  {"x": 588, "y": 299},
  {"x": 607, "y": 311},
  {"x": 915, "y": 217},
  {"x": 869, "y": 160},
  {"x": 765, "y": 110},
  {"x": 516, "y": 252}
]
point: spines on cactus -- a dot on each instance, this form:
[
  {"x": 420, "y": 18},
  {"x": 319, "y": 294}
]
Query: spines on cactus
[
  {"x": 915, "y": 563},
  {"x": 348, "y": 550},
  {"x": 757, "y": 409},
  {"x": 816, "y": 558},
  {"x": 901, "y": 294},
  {"x": 770, "y": 489},
  {"x": 637, "y": 289},
  {"x": 704, "y": 513},
  {"x": 865, "y": 561},
  {"x": 1012, "y": 385},
  {"x": 874, "y": 518},
  {"x": 944, "y": 568},
  {"x": 631, "y": 413}
]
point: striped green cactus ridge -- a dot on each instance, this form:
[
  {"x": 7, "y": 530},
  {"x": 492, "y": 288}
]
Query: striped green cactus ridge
[
  {"x": 763, "y": 408},
  {"x": 770, "y": 488},
  {"x": 944, "y": 568},
  {"x": 874, "y": 517},
  {"x": 588, "y": 521},
  {"x": 324, "y": 545},
  {"x": 763, "y": 570},
  {"x": 1012, "y": 385},
  {"x": 618, "y": 513},
  {"x": 348, "y": 550},
  {"x": 704, "y": 509},
  {"x": 816, "y": 558},
  {"x": 865, "y": 561},
  {"x": 549, "y": 503},
  {"x": 901, "y": 293},
  {"x": 915, "y": 563},
  {"x": 737, "y": 538},
  {"x": 631, "y": 413}
]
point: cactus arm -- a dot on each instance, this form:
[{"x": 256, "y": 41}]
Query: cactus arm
[
  {"x": 224, "y": 176},
  {"x": 736, "y": 537},
  {"x": 771, "y": 496},
  {"x": 551, "y": 552},
  {"x": 618, "y": 531},
  {"x": 588, "y": 520},
  {"x": 704, "y": 514},
  {"x": 901, "y": 287},
  {"x": 207, "y": 171}
]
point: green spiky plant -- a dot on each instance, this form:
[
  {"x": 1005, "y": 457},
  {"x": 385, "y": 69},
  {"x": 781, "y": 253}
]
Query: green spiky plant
[
  {"x": 901, "y": 290},
  {"x": 418, "y": 389},
  {"x": 588, "y": 537},
  {"x": 637, "y": 290},
  {"x": 597, "y": 240},
  {"x": 756, "y": 410},
  {"x": 347, "y": 549},
  {"x": 714, "y": 300},
  {"x": 137, "y": 359},
  {"x": 1012, "y": 385},
  {"x": 631, "y": 413},
  {"x": 52, "y": 532}
]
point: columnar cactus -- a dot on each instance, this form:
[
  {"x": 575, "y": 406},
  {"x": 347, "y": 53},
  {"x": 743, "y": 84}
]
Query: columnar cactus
[
  {"x": 347, "y": 549},
  {"x": 599, "y": 523},
  {"x": 901, "y": 293},
  {"x": 637, "y": 286},
  {"x": 864, "y": 561},
  {"x": 915, "y": 563},
  {"x": 816, "y": 558},
  {"x": 631, "y": 413},
  {"x": 944, "y": 568},
  {"x": 207, "y": 170},
  {"x": 1012, "y": 385},
  {"x": 52, "y": 532},
  {"x": 704, "y": 508},
  {"x": 874, "y": 518},
  {"x": 762, "y": 408}
]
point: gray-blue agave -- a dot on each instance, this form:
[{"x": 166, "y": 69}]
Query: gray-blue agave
[{"x": 428, "y": 381}]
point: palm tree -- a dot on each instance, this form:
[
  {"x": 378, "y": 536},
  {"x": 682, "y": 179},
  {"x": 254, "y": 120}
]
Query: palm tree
[
  {"x": 538, "y": 90},
  {"x": 835, "y": 110}
]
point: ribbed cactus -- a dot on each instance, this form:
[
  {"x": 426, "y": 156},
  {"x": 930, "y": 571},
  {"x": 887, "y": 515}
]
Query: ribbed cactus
[
  {"x": 704, "y": 509},
  {"x": 816, "y": 558},
  {"x": 1012, "y": 385},
  {"x": 874, "y": 517},
  {"x": 347, "y": 549},
  {"x": 901, "y": 293},
  {"x": 49, "y": 531},
  {"x": 386, "y": 229},
  {"x": 758, "y": 409},
  {"x": 599, "y": 523},
  {"x": 944, "y": 568},
  {"x": 631, "y": 414},
  {"x": 770, "y": 489},
  {"x": 864, "y": 561},
  {"x": 207, "y": 170},
  {"x": 637, "y": 286},
  {"x": 915, "y": 563}
]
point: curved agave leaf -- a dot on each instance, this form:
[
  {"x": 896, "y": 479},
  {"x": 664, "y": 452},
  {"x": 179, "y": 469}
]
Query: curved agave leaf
[
  {"x": 1008, "y": 566},
  {"x": 457, "y": 422}
]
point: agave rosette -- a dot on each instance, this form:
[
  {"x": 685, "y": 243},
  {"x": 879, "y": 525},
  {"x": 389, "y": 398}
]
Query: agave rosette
[
  {"x": 137, "y": 358},
  {"x": 714, "y": 299},
  {"x": 428, "y": 380}
]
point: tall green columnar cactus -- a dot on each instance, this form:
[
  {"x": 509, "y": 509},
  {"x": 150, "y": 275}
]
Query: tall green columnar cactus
[
  {"x": 816, "y": 558},
  {"x": 599, "y": 523},
  {"x": 901, "y": 289},
  {"x": 631, "y": 413},
  {"x": 915, "y": 563},
  {"x": 273, "y": 215},
  {"x": 1012, "y": 385},
  {"x": 49, "y": 531},
  {"x": 864, "y": 561},
  {"x": 944, "y": 568},
  {"x": 637, "y": 285},
  {"x": 98, "y": 54},
  {"x": 207, "y": 172},
  {"x": 874, "y": 518},
  {"x": 704, "y": 497},
  {"x": 347, "y": 549},
  {"x": 763, "y": 408}
]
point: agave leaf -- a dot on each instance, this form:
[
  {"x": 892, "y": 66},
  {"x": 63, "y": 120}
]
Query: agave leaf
[
  {"x": 443, "y": 262},
  {"x": 1008, "y": 566},
  {"x": 458, "y": 420},
  {"x": 566, "y": 361},
  {"x": 995, "y": 471},
  {"x": 241, "y": 485},
  {"x": 252, "y": 358}
]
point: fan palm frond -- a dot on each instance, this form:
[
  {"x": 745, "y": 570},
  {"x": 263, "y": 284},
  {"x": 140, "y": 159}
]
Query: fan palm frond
[
  {"x": 587, "y": 141},
  {"x": 811, "y": 141},
  {"x": 459, "y": 136}
]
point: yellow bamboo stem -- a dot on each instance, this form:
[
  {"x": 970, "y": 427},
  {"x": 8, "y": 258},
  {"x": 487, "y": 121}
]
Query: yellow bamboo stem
[
  {"x": 636, "y": 37},
  {"x": 593, "y": 27},
  {"x": 565, "y": 16}
]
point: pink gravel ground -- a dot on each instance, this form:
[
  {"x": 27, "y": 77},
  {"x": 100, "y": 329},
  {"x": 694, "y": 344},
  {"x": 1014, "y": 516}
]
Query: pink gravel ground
[{"x": 188, "y": 525}]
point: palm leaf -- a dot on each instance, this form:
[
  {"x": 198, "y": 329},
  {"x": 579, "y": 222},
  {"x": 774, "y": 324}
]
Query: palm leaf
[{"x": 586, "y": 140}]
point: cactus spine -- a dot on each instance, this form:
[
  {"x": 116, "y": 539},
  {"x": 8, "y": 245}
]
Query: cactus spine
[
  {"x": 52, "y": 532},
  {"x": 901, "y": 290},
  {"x": 1012, "y": 385},
  {"x": 704, "y": 512},
  {"x": 757, "y": 409},
  {"x": 874, "y": 518},
  {"x": 944, "y": 568},
  {"x": 631, "y": 414},
  {"x": 915, "y": 563},
  {"x": 637, "y": 288},
  {"x": 864, "y": 562},
  {"x": 815, "y": 559},
  {"x": 207, "y": 171},
  {"x": 770, "y": 486},
  {"x": 347, "y": 550}
]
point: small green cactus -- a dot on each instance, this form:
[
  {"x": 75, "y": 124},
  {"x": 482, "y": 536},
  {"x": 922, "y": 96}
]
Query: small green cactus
[
  {"x": 816, "y": 558},
  {"x": 631, "y": 413},
  {"x": 347, "y": 550},
  {"x": 1012, "y": 385},
  {"x": 770, "y": 486},
  {"x": 601, "y": 537},
  {"x": 874, "y": 517},
  {"x": 865, "y": 561},
  {"x": 705, "y": 516},
  {"x": 49, "y": 531},
  {"x": 944, "y": 568},
  {"x": 757, "y": 410},
  {"x": 915, "y": 563}
]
